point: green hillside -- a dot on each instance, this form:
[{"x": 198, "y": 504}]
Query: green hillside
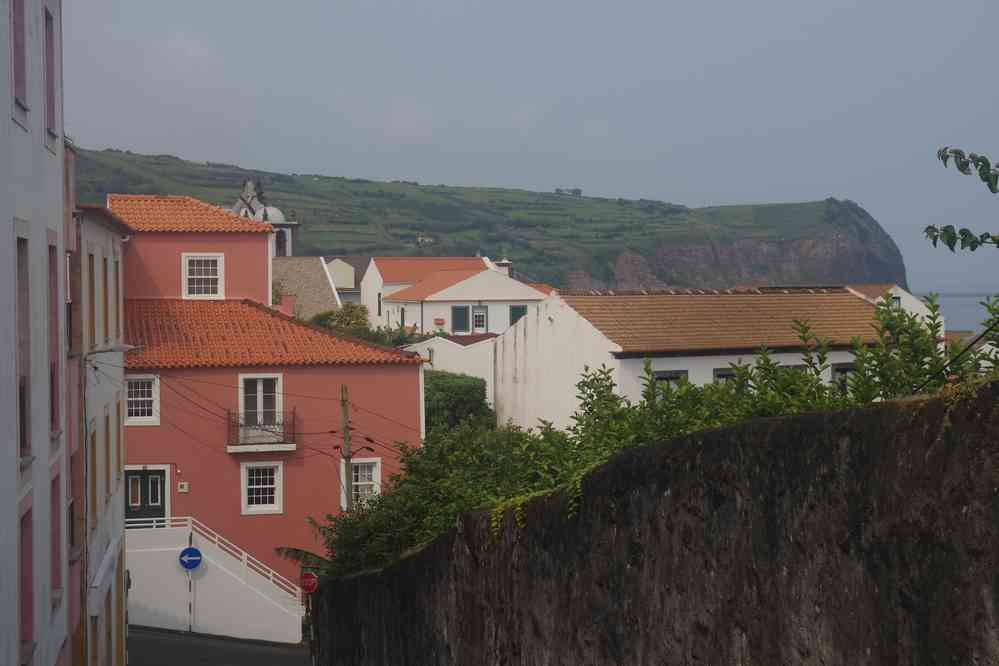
[{"x": 559, "y": 238}]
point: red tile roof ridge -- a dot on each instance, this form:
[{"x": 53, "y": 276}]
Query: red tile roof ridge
[
  {"x": 184, "y": 333},
  {"x": 200, "y": 216},
  {"x": 316, "y": 327}
]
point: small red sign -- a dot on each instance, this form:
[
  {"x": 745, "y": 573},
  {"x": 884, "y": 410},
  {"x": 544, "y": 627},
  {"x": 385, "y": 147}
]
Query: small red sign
[
  {"x": 438, "y": 321},
  {"x": 310, "y": 582}
]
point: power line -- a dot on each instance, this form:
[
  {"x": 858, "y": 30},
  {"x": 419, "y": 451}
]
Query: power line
[
  {"x": 288, "y": 393},
  {"x": 964, "y": 351}
]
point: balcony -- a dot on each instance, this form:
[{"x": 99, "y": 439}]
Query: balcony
[{"x": 257, "y": 432}]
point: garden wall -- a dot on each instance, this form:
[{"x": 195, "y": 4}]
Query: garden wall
[{"x": 862, "y": 537}]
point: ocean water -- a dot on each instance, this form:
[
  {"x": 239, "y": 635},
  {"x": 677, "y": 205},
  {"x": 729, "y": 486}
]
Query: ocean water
[{"x": 963, "y": 312}]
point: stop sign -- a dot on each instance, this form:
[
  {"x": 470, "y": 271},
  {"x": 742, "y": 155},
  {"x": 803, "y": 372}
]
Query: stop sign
[{"x": 310, "y": 582}]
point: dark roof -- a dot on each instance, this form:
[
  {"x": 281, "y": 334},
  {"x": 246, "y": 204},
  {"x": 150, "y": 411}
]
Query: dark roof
[{"x": 470, "y": 339}]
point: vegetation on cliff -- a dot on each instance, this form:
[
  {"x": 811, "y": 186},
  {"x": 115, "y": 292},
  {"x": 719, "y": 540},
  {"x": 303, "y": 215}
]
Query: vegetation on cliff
[
  {"x": 474, "y": 467},
  {"x": 562, "y": 238}
]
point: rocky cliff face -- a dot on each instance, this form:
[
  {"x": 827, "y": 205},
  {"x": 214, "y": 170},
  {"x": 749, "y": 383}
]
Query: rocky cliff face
[
  {"x": 865, "y": 537},
  {"x": 852, "y": 248}
]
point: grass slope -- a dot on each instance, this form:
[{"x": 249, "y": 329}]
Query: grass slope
[{"x": 545, "y": 234}]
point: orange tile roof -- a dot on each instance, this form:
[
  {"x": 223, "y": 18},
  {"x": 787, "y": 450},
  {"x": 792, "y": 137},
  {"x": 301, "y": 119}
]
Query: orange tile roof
[
  {"x": 431, "y": 284},
  {"x": 175, "y": 333},
  {"x": 154, "y": 212},
  {"x": 545, "y": 289},
  {"x": 684, "y": 321},
  {"x": 873, "y": 290},
  {"x": 410, "y": 270}
]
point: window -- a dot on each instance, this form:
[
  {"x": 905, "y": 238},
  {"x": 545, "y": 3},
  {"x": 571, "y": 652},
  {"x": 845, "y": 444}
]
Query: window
[
  {"x": 19, "y": 53},
  {"x": 260, "y": 409},
  {"x": 841, "y": 375},
  {"x": 670, "y": 378},
  {"x": 261, "y": 484},
  {"x": 53, "y": 331},
  {"x": 23, "y": 316},
  {"x": 105, "y": 305},
  {"x": 95, "y": 657},
  {"x": 155, "y": 490},
  {"x": 50, "y": 73},
  {"x": 117, "y": 299},
  {"x": 430, "y": 355},
  {"x": 516, "y": 312},
  {"x": 119, "y": 437},
  {"x": 143, "y": 400},
  {"x": 402, "y": 317},
  {"x": 480, "y": 319},
  {"x": 204, "y": 275},
  {"x": 26, "y": 562},
  {"x": 722, "y": 375},
  {"x": 108, "y": 450},
  {"x": 366, "y": 479},
  {"x": 91, "y": 305},
  {"x": 379, "y": 305},
  {"x": 459, "y": 318},
  {"x": 896, "y": 301},
  {"x": 92, "y": 478},
  {"x": 108, "y": 624},
  {"x": 56, "y": 541}
]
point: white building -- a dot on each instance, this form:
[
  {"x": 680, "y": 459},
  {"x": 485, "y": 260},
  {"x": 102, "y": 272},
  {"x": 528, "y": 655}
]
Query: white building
[
  {"x": 34, "y": 618},
  {"x": 471, "y": 301},
  {"x": 463, "y": 354},
  {"x": 692, "y": 334},
  {"x": 874, "y": 292}
]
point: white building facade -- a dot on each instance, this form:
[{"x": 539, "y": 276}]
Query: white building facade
[
  {"x": 33, "y": 487},
  {"x": 461, "y": 303},
  {"x": 696, "y": 336},
  {"x": 462, "y": 354}
]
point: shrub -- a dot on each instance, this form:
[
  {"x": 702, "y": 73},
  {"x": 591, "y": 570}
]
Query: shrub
[{"x": 452, "y": 398}]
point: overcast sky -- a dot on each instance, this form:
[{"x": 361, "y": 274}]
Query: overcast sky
[{"x": 695, "y": 101}]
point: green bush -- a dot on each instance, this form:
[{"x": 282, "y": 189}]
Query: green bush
[
  {"x": 452, "y": 398},
  {"x": 466, "y": 464}
]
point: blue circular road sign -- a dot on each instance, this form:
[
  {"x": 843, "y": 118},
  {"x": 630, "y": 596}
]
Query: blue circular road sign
[{"x": 190, "y": 557}]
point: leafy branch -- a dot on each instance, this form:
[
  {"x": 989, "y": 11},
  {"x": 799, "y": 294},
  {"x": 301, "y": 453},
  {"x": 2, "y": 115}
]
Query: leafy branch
[{"x": 967, "y": 164}]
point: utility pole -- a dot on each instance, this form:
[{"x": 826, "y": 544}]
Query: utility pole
[{"x": 348, "y": 474}]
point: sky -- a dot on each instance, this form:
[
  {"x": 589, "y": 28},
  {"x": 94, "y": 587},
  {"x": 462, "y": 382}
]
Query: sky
[{"x": 697, "y": 102}]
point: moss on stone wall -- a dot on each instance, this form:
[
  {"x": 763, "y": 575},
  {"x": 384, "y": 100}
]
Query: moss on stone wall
[{"x": 862, "y": 537}]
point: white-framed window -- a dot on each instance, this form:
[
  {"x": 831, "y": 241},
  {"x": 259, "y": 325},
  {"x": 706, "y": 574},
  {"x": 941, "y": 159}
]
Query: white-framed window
[
  {"x": 672, "y": 378},
  {"x": 142, "y": 402},
  {"x": 204, "y": 275},
  {"x": 480, "y": 319},
  {"x": 261, "y": 484},
  {"x": 260, "y": 403},
  {"x": 155, "y": 490},
  {"x": 366, "y": 479}
]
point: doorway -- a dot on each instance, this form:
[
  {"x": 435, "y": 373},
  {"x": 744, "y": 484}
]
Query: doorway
[{"x": 145, "y": 494}]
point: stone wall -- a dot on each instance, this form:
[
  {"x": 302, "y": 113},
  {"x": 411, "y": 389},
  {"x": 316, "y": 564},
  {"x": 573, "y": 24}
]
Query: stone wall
[{"x": 862, "y": 537}]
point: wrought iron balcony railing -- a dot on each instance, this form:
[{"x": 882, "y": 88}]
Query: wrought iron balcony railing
[{"x": 260, "y": 429}]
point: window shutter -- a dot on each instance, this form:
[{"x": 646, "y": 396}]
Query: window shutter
[
  {"x": 459, "y": 318},
  {"x": 20, "y": 64},
  {"x": 50, "y": 96}
]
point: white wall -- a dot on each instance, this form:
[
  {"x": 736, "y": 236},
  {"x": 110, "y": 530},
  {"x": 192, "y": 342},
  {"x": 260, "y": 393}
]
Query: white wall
[
  {"x": 475, "y": 360},
  {"x": 31, "y": 175},
  {"x": 371, "y": 286},
  {"x": 425, "y": 314},
  {"x": 342, "y": 273},
  {"x": 226, "y": 597},
  {"x": 539, "y": 360}
]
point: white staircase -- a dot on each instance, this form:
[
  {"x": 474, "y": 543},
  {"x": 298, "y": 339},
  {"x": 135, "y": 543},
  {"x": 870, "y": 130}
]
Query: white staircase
[{"x": 231, "y": 593}]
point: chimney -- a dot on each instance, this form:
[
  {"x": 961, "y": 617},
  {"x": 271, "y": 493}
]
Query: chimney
[
  {"x": 503, "y": 266},
  {"x": 287, "y": 305}
]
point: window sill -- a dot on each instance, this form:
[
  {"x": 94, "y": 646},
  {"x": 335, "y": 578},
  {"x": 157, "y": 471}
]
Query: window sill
[
  {"x": 262, "y": 512},
  {"x": 21, "y": 104},
  {"x": 141, "y": 423},
  {"x": 54, "y": 135}
]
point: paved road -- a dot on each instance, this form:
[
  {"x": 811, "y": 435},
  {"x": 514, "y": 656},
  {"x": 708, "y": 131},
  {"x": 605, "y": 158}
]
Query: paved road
[{"x": 154, "y": 648}]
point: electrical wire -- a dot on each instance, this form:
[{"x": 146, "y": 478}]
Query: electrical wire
[{"x": 964, "y": 351}]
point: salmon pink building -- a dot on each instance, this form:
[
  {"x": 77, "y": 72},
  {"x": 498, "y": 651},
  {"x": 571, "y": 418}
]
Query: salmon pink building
[{"x": 233, "y": 412}]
